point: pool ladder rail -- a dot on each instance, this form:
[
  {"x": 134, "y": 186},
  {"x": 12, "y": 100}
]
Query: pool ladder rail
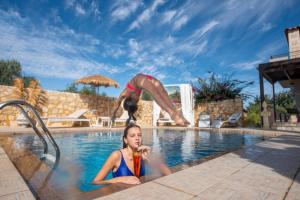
[{"x": 21, "y": 104}]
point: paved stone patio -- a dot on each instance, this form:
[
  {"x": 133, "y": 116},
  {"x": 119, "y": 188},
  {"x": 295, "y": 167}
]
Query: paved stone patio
[{"x": 266, "y": 170}]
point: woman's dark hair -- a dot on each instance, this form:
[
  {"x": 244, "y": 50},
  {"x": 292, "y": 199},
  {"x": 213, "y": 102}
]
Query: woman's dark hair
[
  {"x": 126, "y": 132},
  {"x": 130, "y": 105}
]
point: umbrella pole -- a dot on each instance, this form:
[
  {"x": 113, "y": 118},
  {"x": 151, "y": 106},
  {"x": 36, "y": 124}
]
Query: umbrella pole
[{"x": 97, "y": 98}]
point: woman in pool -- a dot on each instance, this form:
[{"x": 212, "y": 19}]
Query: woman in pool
[
  {"x": 132, "y": 93},
  {"x": 121, "y": 162}
]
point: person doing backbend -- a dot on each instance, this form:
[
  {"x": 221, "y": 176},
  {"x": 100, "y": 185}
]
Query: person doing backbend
[{"x": 133, "y": 90}]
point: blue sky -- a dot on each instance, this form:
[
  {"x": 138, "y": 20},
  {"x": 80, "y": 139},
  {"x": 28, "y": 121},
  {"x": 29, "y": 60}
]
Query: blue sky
[{"x": 176, "y": 41}]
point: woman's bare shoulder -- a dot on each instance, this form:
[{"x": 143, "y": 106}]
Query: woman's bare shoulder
[{"x": 116, "y": 155}]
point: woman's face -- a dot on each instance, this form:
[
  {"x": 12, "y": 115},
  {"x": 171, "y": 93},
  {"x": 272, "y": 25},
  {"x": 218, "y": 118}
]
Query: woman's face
[{"x": 134, "y": 137}]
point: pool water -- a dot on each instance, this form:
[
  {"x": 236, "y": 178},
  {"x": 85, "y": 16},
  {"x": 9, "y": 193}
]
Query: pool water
[{"x": 88, "y": 151}]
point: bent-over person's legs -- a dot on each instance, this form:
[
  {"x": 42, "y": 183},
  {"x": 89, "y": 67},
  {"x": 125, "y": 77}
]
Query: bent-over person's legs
[{"x": 160, "y": 95}]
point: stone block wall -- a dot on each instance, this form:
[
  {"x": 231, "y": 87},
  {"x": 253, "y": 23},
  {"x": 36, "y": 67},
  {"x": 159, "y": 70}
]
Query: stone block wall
[
  {"x": 144, "y": 114},
  {"x": 221, "y": 109}
]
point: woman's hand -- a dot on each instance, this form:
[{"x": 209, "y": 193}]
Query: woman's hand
[
  {"x": 112, "y": 119},
  {"x": 146, "y": 151},
  {"x": 133, "y": 180}
]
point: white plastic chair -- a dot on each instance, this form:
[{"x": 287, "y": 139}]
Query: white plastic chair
[
  {"x": 204, "y": 120},
  {"x": 233, "y": 121}
]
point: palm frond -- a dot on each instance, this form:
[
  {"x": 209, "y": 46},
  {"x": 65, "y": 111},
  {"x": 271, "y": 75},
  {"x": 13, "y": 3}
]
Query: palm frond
[{"x": 19, "y": 90}]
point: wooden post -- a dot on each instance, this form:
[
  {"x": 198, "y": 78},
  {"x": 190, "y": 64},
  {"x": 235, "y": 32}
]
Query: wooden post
[
  {"x": 262, "y": 93},
  {"x": 274, "y": 102}
]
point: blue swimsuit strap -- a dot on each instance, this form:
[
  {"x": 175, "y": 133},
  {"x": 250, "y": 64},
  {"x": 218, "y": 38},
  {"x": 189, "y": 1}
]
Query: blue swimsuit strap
[
  {"x": 123, "y": 166},
  {"x": 124, "y": 163},
  {"x": 123, "y": 169}
]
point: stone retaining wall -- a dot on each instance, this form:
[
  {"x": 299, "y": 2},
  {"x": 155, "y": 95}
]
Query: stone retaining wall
[
  {"x": 221, "y": 109},
  {"x": 65, "y": 103}
]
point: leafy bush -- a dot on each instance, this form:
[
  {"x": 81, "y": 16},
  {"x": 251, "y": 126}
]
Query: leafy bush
[
  {"x": 88, "y": 90},
  {"x": 218, "y": 88},
  {"x": 284, "y": 104},
  {"x": 71, "y": 88}
]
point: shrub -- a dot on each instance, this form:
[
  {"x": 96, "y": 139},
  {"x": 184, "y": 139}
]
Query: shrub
[{"x": 217, "y": 88}]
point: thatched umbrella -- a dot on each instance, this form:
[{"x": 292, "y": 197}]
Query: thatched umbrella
[{"x": 97, "y": 81}]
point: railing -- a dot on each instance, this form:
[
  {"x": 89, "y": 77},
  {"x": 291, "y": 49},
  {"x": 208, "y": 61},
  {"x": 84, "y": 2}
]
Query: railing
[
  {"x": 289, "y": 55},
  {"x": 21, "y": 104}
]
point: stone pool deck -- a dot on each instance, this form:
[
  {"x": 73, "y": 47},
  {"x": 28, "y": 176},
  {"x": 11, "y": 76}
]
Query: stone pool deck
[
  {"x": 266, "y": 170},
  {"x": 12, "y": 185}
]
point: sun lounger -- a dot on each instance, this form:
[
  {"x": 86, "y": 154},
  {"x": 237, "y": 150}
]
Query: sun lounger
[
  {"x": 232, "y": 121},
  {"x": 74, "y": 117},
  {"x": 122, "y": 119},
  {"x": 165, "y": 119},
  {"x": 102, "y": 121},
  {"x": 204, "y": 120}
]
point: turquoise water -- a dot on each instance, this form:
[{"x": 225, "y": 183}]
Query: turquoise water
[{"x": 88, "y": 151}]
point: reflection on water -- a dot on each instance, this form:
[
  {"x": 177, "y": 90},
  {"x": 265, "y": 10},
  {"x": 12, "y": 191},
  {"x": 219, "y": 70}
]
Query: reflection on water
[{"x": 87, "y": 152}]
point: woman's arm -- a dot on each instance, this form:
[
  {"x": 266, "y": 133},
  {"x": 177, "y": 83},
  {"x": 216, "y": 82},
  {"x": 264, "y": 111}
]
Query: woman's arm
[
  {"x": 154, "y": 161},
  {"x": 107, "y": 167},
  {"x": 119, "y": 101},
  {"x": 164, "y": 169}
]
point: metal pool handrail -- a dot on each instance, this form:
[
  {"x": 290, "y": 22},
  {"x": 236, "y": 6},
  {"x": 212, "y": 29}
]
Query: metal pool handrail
[{"x": 19, "y": 104}]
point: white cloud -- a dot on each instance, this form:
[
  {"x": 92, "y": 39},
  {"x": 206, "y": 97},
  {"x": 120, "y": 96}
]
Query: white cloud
[
  {"x": 134, "y": 49},
  {"x": 49, "y": 51},
  {"x": 262, "y": 56},
  {"x": 196, "y": 43},
  {"x": 79, "y": 9},
  {"x": 266, "y": 27},
  {"x": 146, "y": 15},
  {"x": 161, "y": 76},
  {"x": 168, "y": 16},
  {"x": 188, "y": 77},
  {"x": 149, "y": 70},
  {"x": 69, "y": 3},
  {"x": 248, "y": 65},
  {"x": 95, "y": 10},
  {"x": 84, "y": 8},
  {"x": 123, "y": 9},
  {"x": 232, "y": 13},
  {"x": 198, "y": 33},
  {"x": 180, "y": 22},
  {"x": 180, "y": 17}
]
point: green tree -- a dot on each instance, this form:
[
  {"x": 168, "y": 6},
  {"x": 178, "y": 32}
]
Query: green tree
[
  {"x": 253, "y": 111},
  {"x": 218, "y": 88},
  {"x": 27, "y": 80},
  {"x": 9, "y": 70},
  {"x": 146, "y": 96},
  {"x": 72, "y": 88},
  {"x": 175, "y": 97},
  {"x": 284, "y": 104},
  {"x": 103, "y": 94},
  {"x": 88, "y": 90}
]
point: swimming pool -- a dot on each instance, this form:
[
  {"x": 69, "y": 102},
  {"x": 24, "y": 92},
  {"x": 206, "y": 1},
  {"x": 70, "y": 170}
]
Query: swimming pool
[{"x": 83, "y": 154}]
